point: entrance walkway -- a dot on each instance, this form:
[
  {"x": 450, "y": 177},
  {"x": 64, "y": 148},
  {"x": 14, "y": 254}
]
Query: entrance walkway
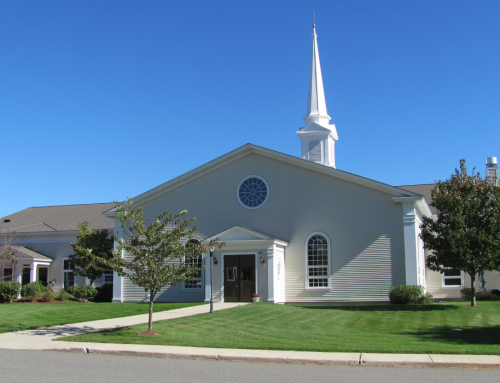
[{"x": 41, "y": 339}]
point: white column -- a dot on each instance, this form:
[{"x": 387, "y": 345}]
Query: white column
[
  {"x": 270, "y": 273},
  {"x": 208, "y": 267},
  {"x": 117, "y": 280},
  {"x": 411, "y": 230},
  {"x": 33, "y": 268}
]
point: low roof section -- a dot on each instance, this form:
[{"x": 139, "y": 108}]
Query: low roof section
[{"x": 58, "y": 218}]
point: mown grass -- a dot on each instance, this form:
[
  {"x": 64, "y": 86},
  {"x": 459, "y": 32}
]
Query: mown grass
[
  {"x": 441, "y": 328},
  {"x": 26, "y": 316}
]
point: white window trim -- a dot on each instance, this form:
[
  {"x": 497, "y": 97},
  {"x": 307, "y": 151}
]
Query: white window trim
[
  {"x": 462, "y": 277},
  {"x": 202, "y": 279},
  {"x": 103, "y": 282},
  {"x": 64, "y": 271},
  {"x": 238, "y": 192},
  {"x": 329, "y": 267}
]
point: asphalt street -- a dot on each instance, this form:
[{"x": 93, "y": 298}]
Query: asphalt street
[{"x": 54, "y": 367}]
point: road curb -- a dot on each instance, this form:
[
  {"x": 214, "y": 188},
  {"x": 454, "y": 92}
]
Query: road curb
[{"x": 325, "y": 362}]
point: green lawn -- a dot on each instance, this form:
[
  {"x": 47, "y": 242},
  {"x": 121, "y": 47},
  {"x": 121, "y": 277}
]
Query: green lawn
[
  {"x": 25, "y": 316},
  {"x": 441, "y": 328}
]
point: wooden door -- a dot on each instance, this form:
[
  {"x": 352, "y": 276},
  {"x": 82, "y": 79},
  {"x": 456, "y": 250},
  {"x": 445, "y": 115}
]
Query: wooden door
[{"x": 239, "y": 278}]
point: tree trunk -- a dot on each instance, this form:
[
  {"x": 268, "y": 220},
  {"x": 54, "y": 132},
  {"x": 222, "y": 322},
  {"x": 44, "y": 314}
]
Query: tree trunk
[
  {"x": 151, "y": 298},
  {"x": 473, "y": 289}
]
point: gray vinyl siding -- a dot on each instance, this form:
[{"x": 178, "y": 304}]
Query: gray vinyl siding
[
  {"x": 175, "y": 293},
  {"x": 364, "y": 225}
]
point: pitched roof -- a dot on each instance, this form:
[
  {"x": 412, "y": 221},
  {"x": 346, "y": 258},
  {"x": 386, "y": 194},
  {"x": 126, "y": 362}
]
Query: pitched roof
[
  {"x": 58, "y": 218},
  {"x": 423, "y": 189},
  {"x": 25, "y": 253}
]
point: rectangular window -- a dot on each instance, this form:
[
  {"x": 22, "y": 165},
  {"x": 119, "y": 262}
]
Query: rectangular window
[
  {"x": 196, "y": 263},
  {"x": 453, "y": 278},
  {"x": 68, "y": 274},
  {"x": 7, "y": 275},
  {"x": 107, "y": 279}
]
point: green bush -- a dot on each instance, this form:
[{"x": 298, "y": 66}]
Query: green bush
[
  {"x": 9, "y": 291},
  {"x": 62, "y": 296},
  {"x": 46, "y": 297},
  {"x": 409, "y": 295},
  {"x": 480, "y": 295},
  {"x": 495, "y": 292},
  {"x": 486, "y": 296},
  {"x": 84, "y": 292},
  {"x": 466, "y": 294},
  {"x": 31, "y": 290},
  {"x": 104, "y": 293},
  {"x": 70, "y": 290}
]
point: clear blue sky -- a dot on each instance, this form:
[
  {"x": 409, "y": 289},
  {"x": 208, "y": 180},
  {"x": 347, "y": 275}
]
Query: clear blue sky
[{"x": 100, "y": 100}]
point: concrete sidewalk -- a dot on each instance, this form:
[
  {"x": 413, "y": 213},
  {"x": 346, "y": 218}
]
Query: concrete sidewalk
[{"x": 41, "y": 339}]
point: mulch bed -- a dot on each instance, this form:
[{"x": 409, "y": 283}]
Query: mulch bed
[
  {"x": 473, "y": 307},
  {"x": 150, "y": 333}
]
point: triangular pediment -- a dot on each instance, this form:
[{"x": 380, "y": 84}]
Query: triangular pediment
[
  {"x": 249, "y": 149},
  {"x": 243, "y": 234}
]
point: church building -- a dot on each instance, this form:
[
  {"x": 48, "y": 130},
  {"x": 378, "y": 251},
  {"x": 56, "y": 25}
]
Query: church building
[{"x": 296, "y": 229}]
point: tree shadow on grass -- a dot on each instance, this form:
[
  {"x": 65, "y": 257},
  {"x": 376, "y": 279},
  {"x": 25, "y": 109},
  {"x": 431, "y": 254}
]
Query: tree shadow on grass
[
  {"x": 461, "y": 335},
  {"x": 384, "y": 308}
]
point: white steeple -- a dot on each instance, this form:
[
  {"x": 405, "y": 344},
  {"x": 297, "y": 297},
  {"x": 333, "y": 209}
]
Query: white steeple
[{"x": 317, "y": 137}]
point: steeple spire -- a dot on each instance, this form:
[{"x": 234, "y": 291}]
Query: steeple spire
[
  {"x": 316, "y": 104},
  {"x": 318, "y": 137}
]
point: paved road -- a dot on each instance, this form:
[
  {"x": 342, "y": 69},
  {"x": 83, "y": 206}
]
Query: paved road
[{"x": 55, "y": 367}]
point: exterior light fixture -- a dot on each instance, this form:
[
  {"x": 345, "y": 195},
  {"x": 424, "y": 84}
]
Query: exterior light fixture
[{"x": 262, "y": 258}]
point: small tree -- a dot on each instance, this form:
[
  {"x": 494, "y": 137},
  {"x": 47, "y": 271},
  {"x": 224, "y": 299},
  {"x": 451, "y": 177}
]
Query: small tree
[
  {"x": 10, "y": 241},
  {"x": 466, "y": 233},
  {"x": 153, "y": 254},
  {"x": 91, "y": 250}
]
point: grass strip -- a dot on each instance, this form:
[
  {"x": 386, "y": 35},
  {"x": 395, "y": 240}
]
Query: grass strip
[
  {"x": 446, "y": 328},
  {"x": 28, "y": 316}
]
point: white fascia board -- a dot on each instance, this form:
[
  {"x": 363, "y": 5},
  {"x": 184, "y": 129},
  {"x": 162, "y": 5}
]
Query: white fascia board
[
  {"x": 420, "y": 202},
  {"x": 249, "y": 149}
]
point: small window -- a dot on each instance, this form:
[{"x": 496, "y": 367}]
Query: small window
[
  {"x": 68, "y": 273},
  {"x": 195, "y": 262},
  {"x": 107, "y": 279},
  {"x": 7, "y": 275},
  {"x": 318, "y": 270},
  {"x": 453, "y": 278}
]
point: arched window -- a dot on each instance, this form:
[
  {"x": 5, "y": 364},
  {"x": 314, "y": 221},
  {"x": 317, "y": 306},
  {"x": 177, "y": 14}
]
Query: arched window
[
  {"x": 315, "y": 151},
  {"x": 318, "y": 258},
  {"x": 195, "y": 262}
]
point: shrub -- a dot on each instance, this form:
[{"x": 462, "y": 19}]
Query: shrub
[
  {"x": 495, "y": 292},
  {"x": 46, "y": 297},
  {"x": 31, "y": 290},
  {"x": 84, "y": 292},
  {"x": 486, "y": 296},
  {"x": 466, "y": 294},
  {"x": 9, "y": 291},
  {"x": 409, "y": 295},
  {"x": 70, "y": 290},
  {"x": 104, "y": 293},
  {"x": 62, "y": 296}
]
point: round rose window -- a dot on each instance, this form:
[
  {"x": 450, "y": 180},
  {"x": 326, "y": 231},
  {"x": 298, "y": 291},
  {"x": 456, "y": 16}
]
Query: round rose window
[{"x": 253, "y": 192}]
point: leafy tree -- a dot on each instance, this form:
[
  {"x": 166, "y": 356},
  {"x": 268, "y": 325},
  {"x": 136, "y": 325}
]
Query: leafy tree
[
  {"x": 153, "y": 253},
  {"x": 91, "y": 249},
  {"x": 466, "y": 233}
]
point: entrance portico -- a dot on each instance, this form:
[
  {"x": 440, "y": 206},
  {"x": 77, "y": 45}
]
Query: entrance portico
[
  {"x": 249, "y": 263},
  {"x": 28, "y": 266}
]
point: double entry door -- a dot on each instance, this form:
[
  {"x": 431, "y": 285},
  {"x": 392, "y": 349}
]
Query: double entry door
[{"x": 239, "y": 277}]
